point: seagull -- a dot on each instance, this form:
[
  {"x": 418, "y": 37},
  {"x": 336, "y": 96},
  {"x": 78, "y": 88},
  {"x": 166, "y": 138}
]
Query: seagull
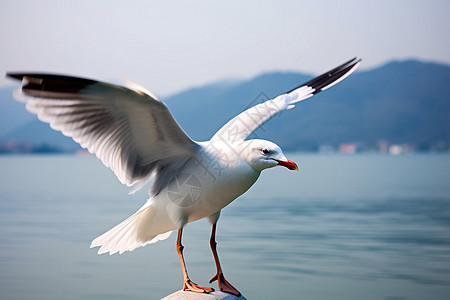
[{"x": 133, "y": 133}]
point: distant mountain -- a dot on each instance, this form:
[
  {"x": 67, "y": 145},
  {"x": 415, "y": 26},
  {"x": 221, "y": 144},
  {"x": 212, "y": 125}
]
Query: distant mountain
[{"x": 400, "y": 102}]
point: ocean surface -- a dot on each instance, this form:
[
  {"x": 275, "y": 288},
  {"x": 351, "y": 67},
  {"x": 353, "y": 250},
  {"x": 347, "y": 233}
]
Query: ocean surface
[{"x": 345, "y": 227}]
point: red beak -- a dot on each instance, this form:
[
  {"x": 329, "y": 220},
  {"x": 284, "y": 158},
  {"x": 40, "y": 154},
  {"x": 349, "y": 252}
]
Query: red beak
[{"x": 288, "y": 164}]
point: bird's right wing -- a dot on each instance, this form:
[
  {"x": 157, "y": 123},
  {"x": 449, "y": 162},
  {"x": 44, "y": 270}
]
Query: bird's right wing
[
  {"x": 131, "y": 131},
  {"x": 241, "y": 126}
]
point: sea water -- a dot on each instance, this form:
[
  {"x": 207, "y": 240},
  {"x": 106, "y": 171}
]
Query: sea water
[{"x": 344, "y": 227}]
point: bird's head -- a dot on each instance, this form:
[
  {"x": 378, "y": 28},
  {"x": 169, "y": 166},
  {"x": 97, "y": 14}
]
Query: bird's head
[{"x": 261, "y": 154}]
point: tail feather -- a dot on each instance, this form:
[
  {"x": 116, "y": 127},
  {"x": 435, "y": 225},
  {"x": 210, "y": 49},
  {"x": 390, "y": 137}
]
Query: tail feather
[{"x": 138, "y": 230}]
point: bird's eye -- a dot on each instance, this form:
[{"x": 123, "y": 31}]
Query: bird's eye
[{"x": 265, "y": 151}]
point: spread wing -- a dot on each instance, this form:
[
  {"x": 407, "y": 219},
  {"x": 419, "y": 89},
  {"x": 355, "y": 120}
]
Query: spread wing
[
  {"x": 241, "y": 126},
  {"x": 131, "y": 131}
]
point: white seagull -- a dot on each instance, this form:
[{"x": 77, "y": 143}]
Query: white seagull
[{"x": 132, "y": 132}]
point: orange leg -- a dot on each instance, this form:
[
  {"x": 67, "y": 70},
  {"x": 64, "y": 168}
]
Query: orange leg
[
  {"x": 224, "y": 285},
  {"x": 188, "y": 284}
]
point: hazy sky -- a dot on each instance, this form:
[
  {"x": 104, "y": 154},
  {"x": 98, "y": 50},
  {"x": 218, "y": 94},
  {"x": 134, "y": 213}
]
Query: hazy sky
[{"x": 171, "y": 45}]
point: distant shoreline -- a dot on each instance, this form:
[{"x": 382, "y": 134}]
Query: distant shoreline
[{"x": 84, "y": 152}]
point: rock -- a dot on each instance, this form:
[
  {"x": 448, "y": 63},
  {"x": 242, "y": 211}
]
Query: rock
[{"x": 216, "y": 295}]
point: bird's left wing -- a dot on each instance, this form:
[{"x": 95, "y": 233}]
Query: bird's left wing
[
  {"x": 131, "y": 131},
  {"x": 241, "y": 126}
]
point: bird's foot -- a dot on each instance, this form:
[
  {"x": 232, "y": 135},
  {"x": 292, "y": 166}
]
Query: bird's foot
[
  {"x": 193, "y": 287},
  {"x": 224, "y": 285}
]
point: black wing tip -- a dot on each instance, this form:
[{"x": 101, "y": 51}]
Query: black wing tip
[
  {"x": 352, "y": 61},
  {"x": 328, "y": 78},
  {"x": 18, "y": 76},
  {"x": 49, "y": 77},
  {"x": 32, "y": 82}
]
